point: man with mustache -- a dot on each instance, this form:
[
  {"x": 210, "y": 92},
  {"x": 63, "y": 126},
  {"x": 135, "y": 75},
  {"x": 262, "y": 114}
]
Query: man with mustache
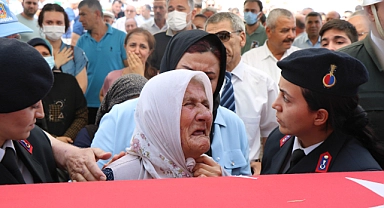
[{"x": 281, "y": 31}]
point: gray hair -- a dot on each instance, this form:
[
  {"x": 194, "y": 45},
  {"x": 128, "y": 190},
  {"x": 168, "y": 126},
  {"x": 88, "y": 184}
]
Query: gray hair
[
  {"x": 236, "y": 22},
  {"x": 275, "y": 14},
  {"x": 191, "y": 4}
]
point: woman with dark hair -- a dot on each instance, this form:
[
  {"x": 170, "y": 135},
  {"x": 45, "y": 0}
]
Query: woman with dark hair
[
  {"x": 321, "y": 126},
  {"x": 53, "y": 21},
  {"x": 194, "y": 50},
  {"x": 139, "y": 44}
]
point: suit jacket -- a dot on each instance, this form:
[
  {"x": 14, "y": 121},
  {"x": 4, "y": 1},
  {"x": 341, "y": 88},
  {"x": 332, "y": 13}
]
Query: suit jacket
[
  {"x": 371, "y": 93},
  {"x": 346, "y": 154},
  {"x": 41, "y": 163}
]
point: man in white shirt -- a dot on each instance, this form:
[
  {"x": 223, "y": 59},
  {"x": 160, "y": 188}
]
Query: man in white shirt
[
  {"x": 158, "y": 23},
  {"x": 281, "y": 31},
  {"x": 130, "y": 12},
  {"x": 254, "y": 90}
]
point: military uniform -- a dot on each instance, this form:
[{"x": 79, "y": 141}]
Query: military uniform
[
  {"x": 342, "y": 153},
  {"x": 36, "y": 154},
  {"x": 371, "y": 94}
]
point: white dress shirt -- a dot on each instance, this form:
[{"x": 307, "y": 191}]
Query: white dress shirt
[
  {"x": 120, "y": 23},
  {"x": 254, "y": 93},
  {"x": 263, "y": 59},
  {"x": 153, "y": 28}
]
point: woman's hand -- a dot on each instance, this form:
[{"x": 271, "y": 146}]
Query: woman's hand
[
  {"x": 135, "y": 66},
  {"x": 63, "y": 57},
  {"x": 206, "y": 167}
]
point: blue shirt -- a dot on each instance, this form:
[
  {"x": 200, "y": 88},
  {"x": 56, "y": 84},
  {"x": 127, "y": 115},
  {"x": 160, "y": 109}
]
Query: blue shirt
[
  {"x": 77, "y": 64},
  {"x": 302, "y": 41},
  {"x": 78, "y": 27},
  {"x": 229, "y": 147},
  {"x": 104, "y": 56}
]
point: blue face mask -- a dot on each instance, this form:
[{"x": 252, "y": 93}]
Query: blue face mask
[
  {"x": 50, "y": 61},
  {"x": 250, "y": 18}
]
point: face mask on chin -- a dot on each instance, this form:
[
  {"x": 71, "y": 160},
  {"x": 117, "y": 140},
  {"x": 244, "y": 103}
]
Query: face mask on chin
[
  {"x": 250, "y": 18},
  {"x": 177, "y": 20},
  {"x": 53, "y": 32}
]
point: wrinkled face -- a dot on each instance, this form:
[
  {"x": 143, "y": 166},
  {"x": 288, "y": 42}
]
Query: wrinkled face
[
  {"x": 334, "y": 39},
  {"x": 292, "y": 111},
  {"x": 195, "y": 121},
  {"x": 361, "y": 24},
  {"x": 206, "y": 62},
  {"x": 313, "y": 25},
  {"x": 130, "y": 24},
  {"x": 18, "y": 124},
  {"x": 199, "y": 22},
  {"x": 159, "y": 10},
  {"x": 138, "y": 44},
  {"x": 283, "y": 35},
  {"x": 53, "y": 18},
  {"x": 233, "y": 45},
  {"x": 88, "y": 17},
  {"x": 30, "y": 7},
  {"x": 116, "y": 7},
  {"x": 130, "y": 12},
  {"x": 181, "y": 6}
]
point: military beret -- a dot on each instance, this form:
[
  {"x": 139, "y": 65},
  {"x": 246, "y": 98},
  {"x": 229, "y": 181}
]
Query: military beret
[
  {"x": 25, "y": 76},
  {"x": 324, "y": 71}
]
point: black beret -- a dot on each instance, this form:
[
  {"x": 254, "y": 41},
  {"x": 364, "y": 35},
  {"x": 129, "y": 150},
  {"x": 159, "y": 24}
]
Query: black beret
[
  {"x": 324, "y": 71},
  {"x": 25, "y": 76}
]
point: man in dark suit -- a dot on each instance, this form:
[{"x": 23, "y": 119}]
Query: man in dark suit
[{"x": 321, "y": 126}]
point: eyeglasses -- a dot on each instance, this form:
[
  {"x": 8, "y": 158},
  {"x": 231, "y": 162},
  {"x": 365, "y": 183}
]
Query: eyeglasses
[{"x": 225, "y": 36}]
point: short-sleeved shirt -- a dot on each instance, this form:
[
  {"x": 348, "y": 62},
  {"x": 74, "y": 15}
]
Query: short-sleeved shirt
[
  {"x": 104, "y": 56},
  {"x": 77, "y": 64},
  {"x": 254, "y": 40},
  {"x": 32, "y": 24}
]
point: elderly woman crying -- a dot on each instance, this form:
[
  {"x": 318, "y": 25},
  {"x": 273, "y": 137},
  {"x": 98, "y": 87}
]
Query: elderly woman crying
[{"x": 173, "y": 121}]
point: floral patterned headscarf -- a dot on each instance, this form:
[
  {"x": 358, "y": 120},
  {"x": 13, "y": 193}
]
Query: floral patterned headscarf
[{"x": 156, "y": 138}]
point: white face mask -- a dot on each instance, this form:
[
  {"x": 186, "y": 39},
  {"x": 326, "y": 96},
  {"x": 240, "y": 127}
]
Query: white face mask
[
  {"x": 177, "y": 20},
  {"x": 53, "y": 32}
]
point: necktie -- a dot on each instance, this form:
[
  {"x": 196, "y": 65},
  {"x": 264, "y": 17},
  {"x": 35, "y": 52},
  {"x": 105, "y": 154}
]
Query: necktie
[
  {"x": 227, "y": 96},
  {"x": 297, "y": 155},
  {"x": 10, "y": 162}
]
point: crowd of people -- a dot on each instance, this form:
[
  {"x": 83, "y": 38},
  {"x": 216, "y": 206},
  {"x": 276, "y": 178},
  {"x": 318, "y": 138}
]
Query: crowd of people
[{"x": 188, "y": 91}]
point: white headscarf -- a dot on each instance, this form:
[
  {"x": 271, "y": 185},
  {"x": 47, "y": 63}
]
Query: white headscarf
[{"x": 156, "y": 138}]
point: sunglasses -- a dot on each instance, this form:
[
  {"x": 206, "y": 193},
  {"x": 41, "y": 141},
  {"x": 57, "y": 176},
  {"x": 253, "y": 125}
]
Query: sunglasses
[{"x": 225, "y": 36}]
